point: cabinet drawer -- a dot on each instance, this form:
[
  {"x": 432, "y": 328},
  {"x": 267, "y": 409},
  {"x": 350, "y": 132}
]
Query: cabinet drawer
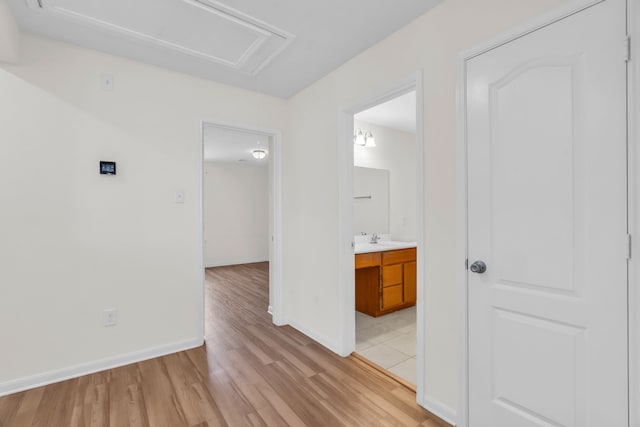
[
  {"x": 367, "y": 260},
  {"x": 399, "y": 256},
  {"x": 391, "y": 296},
  {"x": 392, "y": 275}
]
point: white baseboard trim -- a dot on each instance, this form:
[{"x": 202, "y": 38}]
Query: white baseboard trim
[
  {"x": 443, "y": 411},
  {"x": 244, "y": 261},
  {"x": 331, "y": 346},
  {"x": 57, "y": 375},
  {"x": 270, "y": 310}
]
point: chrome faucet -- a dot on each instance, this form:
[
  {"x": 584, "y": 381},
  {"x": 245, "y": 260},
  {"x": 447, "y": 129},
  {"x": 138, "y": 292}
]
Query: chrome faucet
[{"x": 374, "y": 238}]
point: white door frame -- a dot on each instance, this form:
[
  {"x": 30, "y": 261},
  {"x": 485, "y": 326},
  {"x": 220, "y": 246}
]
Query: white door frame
[
  {"x": 276, "y": 308},
  {"x": 633, "y": 25},
  {"x": 633, "y": 91},
  {"x": 347, "y": 337}
]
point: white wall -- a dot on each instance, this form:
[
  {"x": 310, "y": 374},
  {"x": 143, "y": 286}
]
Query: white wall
[
  {"x": 9, "y": 34},
  {"x": 72, "y": 242},
  {"x": 431, "y": 43},
  {"x": 236, "y": 213},
  {"x": 395, "y": 151}
]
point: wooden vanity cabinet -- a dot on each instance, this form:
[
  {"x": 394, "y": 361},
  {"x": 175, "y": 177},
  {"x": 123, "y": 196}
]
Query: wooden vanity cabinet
[{"x": 385, "y": 281}]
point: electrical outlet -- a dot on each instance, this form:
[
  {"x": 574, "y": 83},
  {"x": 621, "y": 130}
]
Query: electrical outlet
[
  {"x": 179, "y": 196},
  {"x": 110, "y": 317}
]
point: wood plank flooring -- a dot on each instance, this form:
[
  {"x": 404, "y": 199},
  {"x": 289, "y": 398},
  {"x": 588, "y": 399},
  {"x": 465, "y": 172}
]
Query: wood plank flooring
[{"x": 249, "y": 373}]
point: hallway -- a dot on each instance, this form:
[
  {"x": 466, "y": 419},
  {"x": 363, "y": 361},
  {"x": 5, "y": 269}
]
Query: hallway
[{"x": 250, "y": 373}]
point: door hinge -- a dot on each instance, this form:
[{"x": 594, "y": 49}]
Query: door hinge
[
  {"x": 627, "y": 49},
  {"x": 629, "y": 247},
  {"x": 466, "y": 264}
]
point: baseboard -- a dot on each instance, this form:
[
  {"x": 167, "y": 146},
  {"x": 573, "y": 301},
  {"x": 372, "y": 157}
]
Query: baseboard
[
  {"x": 45, "y": 378},
  {"x": 270, "y": 310},
  {"x": 240, "y": 262},
  {"x": 441, "y": 410},
  {"x": 323, "y": 342}
]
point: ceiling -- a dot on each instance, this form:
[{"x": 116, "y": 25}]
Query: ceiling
[
  {"x": 398, "y": 113},
  {"x": 277, "y": 47},
  {"x": 225, "y": 145}
]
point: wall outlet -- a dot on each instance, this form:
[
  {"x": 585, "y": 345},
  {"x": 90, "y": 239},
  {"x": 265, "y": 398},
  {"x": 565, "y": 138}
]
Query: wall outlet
[
  {"x": 179, "y": 196},
  {"x": 110, "y": 317}
]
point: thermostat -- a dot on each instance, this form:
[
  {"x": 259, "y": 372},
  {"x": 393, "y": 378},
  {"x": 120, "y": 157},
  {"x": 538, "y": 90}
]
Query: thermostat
[{"x": 107, "y": 168}]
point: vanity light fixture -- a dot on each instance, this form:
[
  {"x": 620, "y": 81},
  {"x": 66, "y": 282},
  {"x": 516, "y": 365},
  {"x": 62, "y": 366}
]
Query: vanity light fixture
[
  {"x": 259, "y": 153},
  {"x": 363, "y": 139},
  {"x": 369, "y": 141},
  {"x": 358, "y": 138}
]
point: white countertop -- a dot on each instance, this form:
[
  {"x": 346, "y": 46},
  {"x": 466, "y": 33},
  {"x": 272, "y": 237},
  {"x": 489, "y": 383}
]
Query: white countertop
[{"x": 365, "y": 248}]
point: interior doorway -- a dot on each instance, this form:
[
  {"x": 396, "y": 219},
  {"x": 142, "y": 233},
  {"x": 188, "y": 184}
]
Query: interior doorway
[
  {"x": 410, "y": 263},
  {"x": 384, "y": 220},
  {"x": 241, "y": 202}
]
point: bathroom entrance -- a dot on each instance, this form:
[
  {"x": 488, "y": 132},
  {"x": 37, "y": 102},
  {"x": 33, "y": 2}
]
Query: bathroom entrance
[
  {"x": 381, "y": 250},
  {"x": 385, "y": 228}
]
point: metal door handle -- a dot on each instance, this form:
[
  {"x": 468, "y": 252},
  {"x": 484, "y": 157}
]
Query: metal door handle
[{"x": 478, "y": 267}]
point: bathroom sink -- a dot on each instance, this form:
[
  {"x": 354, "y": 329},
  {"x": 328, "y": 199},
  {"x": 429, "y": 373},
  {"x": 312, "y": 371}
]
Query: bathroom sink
[{"x": 386, "y": 245}]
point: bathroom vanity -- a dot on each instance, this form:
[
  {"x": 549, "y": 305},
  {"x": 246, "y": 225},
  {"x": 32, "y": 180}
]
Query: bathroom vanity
[{"x": 385, "y": 277}]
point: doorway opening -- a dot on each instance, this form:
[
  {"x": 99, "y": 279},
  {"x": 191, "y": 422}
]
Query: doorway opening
[
  {"x": 384, "y": 220},
  {"x": 381, "y": 201},
  {"x": 241, "y": 204}
]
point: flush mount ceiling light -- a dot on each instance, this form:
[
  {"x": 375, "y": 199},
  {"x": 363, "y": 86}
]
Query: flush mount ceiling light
[
  {"x": 259, "y": 153},
  {"x": 363, "y": 139}
]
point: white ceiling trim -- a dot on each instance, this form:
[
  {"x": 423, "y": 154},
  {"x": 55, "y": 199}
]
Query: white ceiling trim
[{"x": 270, "y": 39}]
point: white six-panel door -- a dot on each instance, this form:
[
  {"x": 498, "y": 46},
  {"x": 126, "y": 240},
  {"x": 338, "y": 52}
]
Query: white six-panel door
[{"x": 547, "y": 213}]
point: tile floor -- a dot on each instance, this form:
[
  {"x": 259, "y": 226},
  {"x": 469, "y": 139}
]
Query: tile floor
[{"x": 389, "y": 341}]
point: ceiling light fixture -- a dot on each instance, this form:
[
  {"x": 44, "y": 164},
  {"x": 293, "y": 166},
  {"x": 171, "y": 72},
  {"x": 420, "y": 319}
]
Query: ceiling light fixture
[
  {"x": 259, "y": 153},
  {"x": 363, "y": 139}
]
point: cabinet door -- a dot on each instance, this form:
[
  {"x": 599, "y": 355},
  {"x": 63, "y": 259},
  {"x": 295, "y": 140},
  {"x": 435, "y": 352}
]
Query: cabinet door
[{"x": 409, "y": 282}]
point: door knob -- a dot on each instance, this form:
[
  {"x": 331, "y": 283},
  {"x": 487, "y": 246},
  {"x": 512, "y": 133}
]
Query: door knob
[{"x": 478, "y": 267}]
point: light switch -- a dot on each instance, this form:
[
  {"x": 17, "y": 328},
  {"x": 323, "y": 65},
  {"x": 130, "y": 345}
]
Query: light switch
[{"x": 179, "y": 196}]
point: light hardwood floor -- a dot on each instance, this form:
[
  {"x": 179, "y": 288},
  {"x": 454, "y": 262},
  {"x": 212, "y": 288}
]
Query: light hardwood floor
[{"x": 249, "y": 373}]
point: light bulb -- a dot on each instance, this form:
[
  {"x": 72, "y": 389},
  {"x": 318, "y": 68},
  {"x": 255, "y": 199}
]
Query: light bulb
[
  {"x": 369, "y": 141},
  {"x": 259, "y": 153},
  {"x": 359, "y": 138}
]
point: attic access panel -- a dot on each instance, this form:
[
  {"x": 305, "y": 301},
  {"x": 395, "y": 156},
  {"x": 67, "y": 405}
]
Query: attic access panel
[{"x": 205, "y": 29}]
